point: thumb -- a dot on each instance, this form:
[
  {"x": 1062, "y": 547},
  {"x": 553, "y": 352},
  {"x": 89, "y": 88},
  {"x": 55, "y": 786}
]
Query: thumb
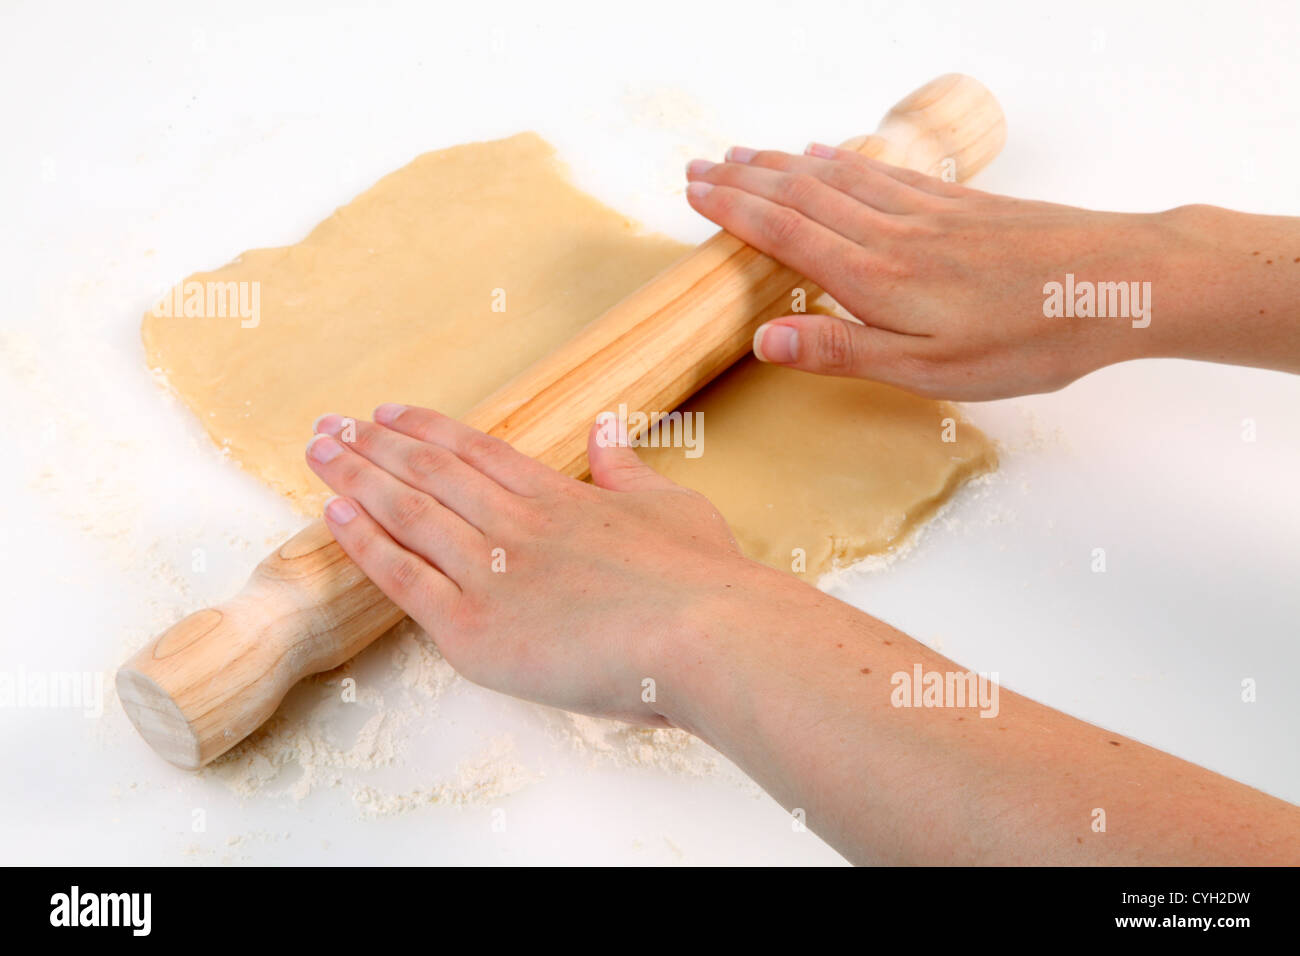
[
  {"x": 828, "y": 345},
  {"x": 614, "y": 465}
]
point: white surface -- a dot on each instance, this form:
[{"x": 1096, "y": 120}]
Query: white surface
[{"x": 144, "y": 142}]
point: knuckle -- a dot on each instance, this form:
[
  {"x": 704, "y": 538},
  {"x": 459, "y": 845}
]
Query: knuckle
[
  {"x": 726, "y": 174},
  {"x": 883, "y": 268},
  {"x": 771, "y": 159},
  {"x": 836, "y": 347},
  {"x": 533, "y": 521},
  {"x": 930, "y": 203},
  {"x": 783, "y": 226},
  {"x": 411, "y": 510},
  {"x": 360, "y": 548},
  {"x": 841, "y": 176},
  {"x": 722, "y": 202},
  {"x": 861, "y": 270},
  {"x": 798, "y": 189},
  {"x": 402, "y": 574},
  {"x": 362, "y": 439},
  {"x": 426, "y": 460},
  {"x": 352, "y": 473},
  {"x": 527, "y": 528},
  {"x": 483, "y": 448}
]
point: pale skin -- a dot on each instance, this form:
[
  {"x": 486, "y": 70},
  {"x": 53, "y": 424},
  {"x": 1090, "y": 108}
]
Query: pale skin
[{"x": 632, "y": 577}]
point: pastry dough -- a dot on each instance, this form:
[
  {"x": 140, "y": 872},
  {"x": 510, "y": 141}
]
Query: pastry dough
[
  {"x": 813, "y": 472},
  {"x": 392, "y": 299},
  {"x": 456, "y": 272}
]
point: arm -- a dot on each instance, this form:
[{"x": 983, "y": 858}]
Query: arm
[
  {"x": 795, "y": 687},
  {"x": 949, "y": 282},
  {"x": 572, "y": 595}
]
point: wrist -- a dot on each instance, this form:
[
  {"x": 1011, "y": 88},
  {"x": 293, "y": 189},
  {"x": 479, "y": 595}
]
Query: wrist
[
  {"x": 1182, "y": 253},
  {"x": 689, "y": 658},
  {"x": 1151, "y": 257},
  {"x": 1227, "y": 287},
  {"x": 722, "y": 639}
]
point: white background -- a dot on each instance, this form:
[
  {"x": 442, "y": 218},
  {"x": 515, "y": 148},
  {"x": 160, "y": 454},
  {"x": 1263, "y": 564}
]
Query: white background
[{"x": 143, "y": 142}]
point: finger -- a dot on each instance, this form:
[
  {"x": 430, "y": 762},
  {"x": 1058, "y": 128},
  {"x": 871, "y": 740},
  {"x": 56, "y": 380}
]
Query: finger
[
  {"x": 829, "y": 345},
  {"x": 511, "y": 469},
  {"x": 410, "y": 582},
  {"x": 614, "y": 465},
  {"x": 881, "y": 192},
  {"x": 785, "y": 234},
  {"x": 427, "y": 467},
  {"x": 930, "y": 184},
  {"x": 833, "y": 208},
  {"x": 415, "y": 520}
]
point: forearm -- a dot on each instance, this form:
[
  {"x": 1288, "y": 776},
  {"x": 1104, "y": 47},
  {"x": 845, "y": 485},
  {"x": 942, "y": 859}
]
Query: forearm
[
  {"x": 798, "y": 689},
  {"x": 1227, "y": 289}
]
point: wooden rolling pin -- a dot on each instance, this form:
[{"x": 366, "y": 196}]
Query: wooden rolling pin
[{"x": 214, "y": 677}]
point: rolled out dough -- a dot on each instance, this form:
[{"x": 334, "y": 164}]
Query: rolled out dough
[
  {"x": 827, "y": 470},
  {"x": 459, "y": 270}
]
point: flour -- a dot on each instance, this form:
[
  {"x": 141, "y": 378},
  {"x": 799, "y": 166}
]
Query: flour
[
  {"x": 623, "y": 745},
  {"x": 105, "y": 466},
  {"x": 484, "y": 780},
  {"x": 298, "y": 751},
  {"x": 690, "y": 128}
]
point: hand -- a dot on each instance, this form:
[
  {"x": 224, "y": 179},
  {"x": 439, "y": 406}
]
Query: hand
[
  {"x": 948, "y": 282},
  {"x": 531, "y": 583}
]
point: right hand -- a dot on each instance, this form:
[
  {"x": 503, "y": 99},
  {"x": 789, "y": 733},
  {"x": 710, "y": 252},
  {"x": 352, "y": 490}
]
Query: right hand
[{"x": 532, "y": 583}]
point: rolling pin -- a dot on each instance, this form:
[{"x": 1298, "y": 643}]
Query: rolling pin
[{"x": 210, "y": 680}]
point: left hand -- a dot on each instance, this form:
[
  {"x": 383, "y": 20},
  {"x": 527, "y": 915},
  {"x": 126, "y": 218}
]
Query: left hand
[{"x": 947, "y": 282}]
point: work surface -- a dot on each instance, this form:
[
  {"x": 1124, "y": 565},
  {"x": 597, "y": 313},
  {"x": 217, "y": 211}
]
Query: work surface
[{"x": 144, "y": 146}]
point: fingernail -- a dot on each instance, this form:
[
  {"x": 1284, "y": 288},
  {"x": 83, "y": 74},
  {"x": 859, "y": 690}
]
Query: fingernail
[
  {"x": 741, "y": 154},
  {"x": 328, "y": 424},
  {"x": 388, "y": 413},
  {"x": 339, "y": 510},
  {"x": 776, "y": 343},
  {"x": 821, "y": 151},
  {"x": 698, "y": 167},
  {"x": 323, "y": 449},
  {"x": 699, "y": 190}
]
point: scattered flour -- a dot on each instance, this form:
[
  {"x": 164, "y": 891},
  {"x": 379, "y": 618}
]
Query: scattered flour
[
  {"x": 298, "y": 750},
  {"x": 486, "y": 779},
  {"x": 104, "y": 481},
  {"x": 626, "y": 746},
  {"x": 693, "y": 126}
]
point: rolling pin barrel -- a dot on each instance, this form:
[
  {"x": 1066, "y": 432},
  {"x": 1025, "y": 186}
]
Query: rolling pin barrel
[{"x": 214, "y": 677}]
